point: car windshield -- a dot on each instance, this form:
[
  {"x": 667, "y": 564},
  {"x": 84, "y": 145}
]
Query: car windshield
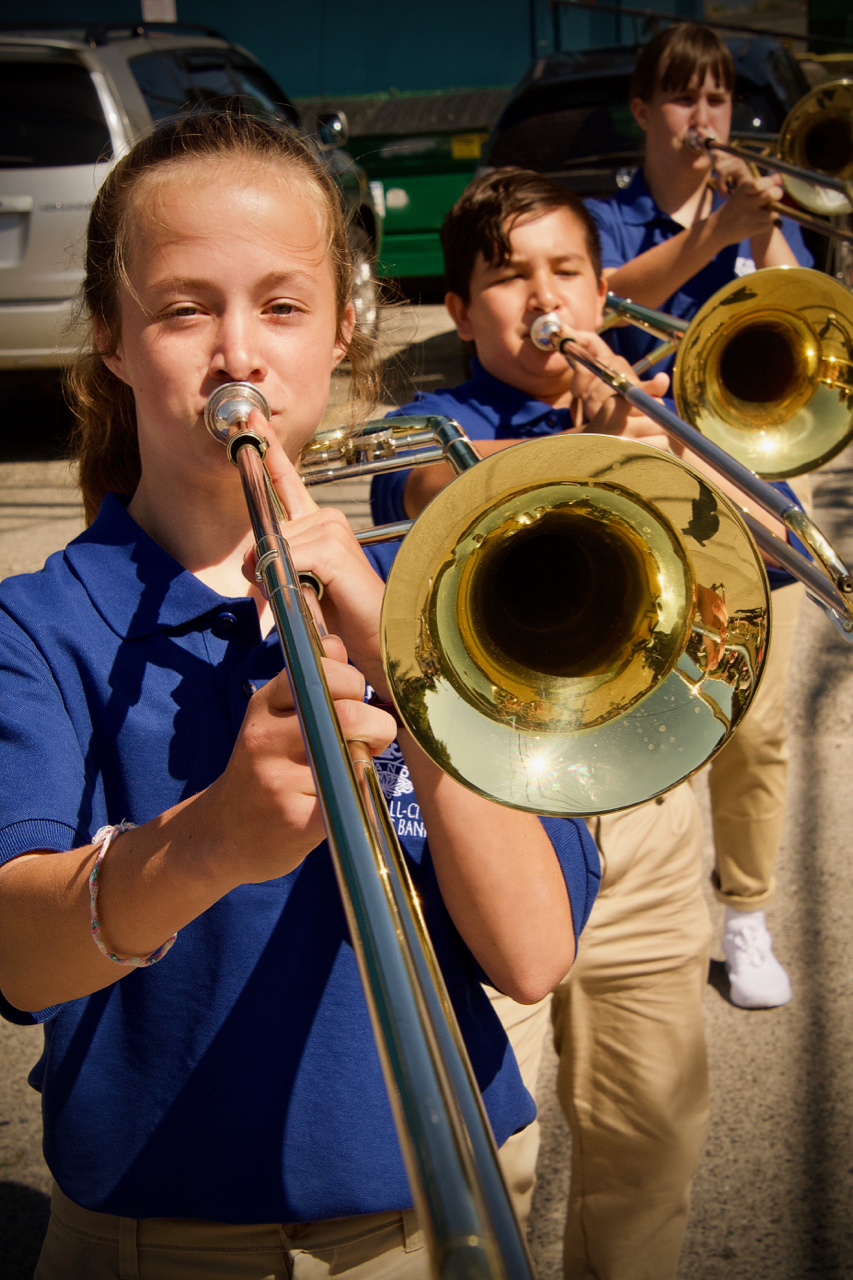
[
  {"x": 208, "y": 80},
  {"x": 556, "y": 125},
  {"x": 50, "y": 114}
]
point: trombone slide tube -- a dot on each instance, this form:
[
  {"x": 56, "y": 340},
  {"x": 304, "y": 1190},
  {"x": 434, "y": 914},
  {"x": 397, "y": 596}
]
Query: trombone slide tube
[
  {"x": 820, "y": 225},
  {"x": 773, "y": 164},
  {"x": 464, "y": 1209},
  {"x": 816, "y": 583}
]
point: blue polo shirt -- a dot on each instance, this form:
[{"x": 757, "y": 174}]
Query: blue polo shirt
[
  {"x": 489, "y": 409},
  {"x": 631, "y": 222},
  {"x": 238, "y": 1079}
]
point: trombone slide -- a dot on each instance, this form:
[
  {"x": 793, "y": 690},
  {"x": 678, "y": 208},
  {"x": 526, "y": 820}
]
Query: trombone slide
[{"x": 449, "y": 1151}]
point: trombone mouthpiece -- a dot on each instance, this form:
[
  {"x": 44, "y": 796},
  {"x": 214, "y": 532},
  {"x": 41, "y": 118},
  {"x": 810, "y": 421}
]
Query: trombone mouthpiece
[
  {"x": 230, "y": 405},
  {"x": 695, "y": 142},
  {"x": 544, "y": 330}
]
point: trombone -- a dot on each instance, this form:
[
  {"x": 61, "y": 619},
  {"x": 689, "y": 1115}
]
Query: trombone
[
  {"x": 764, "y": 368},
  {"x": 815, "y": 156},
  {"x": 577, "y": 625},
  {"x": 828, "y": 581}
]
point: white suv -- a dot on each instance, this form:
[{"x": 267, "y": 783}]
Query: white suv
[{"x": 72, "y": 99}]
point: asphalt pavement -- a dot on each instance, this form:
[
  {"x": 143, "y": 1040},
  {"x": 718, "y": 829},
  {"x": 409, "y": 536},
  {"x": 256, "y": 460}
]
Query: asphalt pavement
[{"x": 774, "y": 1193}]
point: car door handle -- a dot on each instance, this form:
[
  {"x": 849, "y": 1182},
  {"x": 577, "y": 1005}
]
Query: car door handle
[{"x": 16, "y": 204}]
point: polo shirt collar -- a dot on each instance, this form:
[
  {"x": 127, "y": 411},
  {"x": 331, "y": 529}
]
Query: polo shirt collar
[
  {"x": 136, "y": 586},
  {"x": 511, "y": 407},
  {"x": 639, "y": 207}
]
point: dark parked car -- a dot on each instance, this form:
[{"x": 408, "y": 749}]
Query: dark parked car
[
  {"x": 568, "y": 116},
  {"x": 72, "y": 100}
]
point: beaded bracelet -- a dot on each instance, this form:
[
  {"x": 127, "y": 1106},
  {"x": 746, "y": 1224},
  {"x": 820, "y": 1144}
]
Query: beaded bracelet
[{"x": 104, "y": 838}]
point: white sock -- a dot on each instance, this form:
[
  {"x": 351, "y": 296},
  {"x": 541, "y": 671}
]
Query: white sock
[{"x": 735, "y": 920}]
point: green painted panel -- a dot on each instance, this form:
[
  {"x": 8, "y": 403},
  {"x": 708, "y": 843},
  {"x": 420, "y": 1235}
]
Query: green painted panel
[
  {"x": 418, "y": 254},
  {"x": 419, "y": 202}
]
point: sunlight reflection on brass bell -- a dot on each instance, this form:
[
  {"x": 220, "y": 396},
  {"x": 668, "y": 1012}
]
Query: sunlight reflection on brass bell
[{"x": 575, "y": 625}]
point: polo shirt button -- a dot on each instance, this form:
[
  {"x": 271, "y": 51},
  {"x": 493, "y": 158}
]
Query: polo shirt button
[
  {"x": 249, "y": 687},
  {"x": 226, "y": 620},
  {"x": 551, "y": 420}
]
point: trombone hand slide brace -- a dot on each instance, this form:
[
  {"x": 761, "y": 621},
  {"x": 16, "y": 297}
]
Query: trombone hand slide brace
[
  {"x": 832, "y": 588},
  {"x": 389, "y": 444},
  {"x": 450, "y": 1156}
]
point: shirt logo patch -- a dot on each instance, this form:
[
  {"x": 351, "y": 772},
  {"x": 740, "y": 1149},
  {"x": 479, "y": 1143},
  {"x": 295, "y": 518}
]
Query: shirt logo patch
[
  {"x": 744, "y": 266},
  {"x": 393, "y": 773},
  {"x": 398, "y": 790}
]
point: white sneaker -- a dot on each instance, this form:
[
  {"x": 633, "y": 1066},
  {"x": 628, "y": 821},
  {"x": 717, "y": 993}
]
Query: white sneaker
[{"x": 758, "y": 980}]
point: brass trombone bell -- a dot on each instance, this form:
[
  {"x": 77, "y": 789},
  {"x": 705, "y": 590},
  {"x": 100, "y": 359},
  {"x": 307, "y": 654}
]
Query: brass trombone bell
[
  {"x": 575, "y": 625},
  {"x": 817, "y": 135},
  {"x": 765, "y": 370}
]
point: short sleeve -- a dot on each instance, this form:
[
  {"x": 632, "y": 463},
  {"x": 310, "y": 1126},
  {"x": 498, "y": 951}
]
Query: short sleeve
[
  {"x": 579, "y": 862},
  {"x": 608, "y": 225},
  {"x": 794, "y": 236},
  {"x": 42, "y": 774}
]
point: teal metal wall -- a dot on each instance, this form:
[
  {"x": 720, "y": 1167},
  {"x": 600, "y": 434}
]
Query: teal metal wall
[{"x": 370, "y": 46}]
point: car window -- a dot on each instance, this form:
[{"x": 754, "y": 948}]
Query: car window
[
  {"x": 161, "y": 84},
  {"x": 50, "y": 114},
  {"x": 557, "y": 125},
  {"x": 207, "y": 80}
]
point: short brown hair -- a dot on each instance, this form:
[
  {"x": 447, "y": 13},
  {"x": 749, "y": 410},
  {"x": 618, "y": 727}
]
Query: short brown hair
[
  {"x": 487, "y": 211},
  {"x": 105, "y": 442},
  {"x": 677, "y": 56}
]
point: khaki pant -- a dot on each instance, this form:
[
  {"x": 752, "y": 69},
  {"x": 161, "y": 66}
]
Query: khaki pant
[
  {"x": 525, "y": 1025},
  {"x": 749, "y": 778},
  {"x": 633, "y": 1081},
  {"x": 81, "y": 1245}
]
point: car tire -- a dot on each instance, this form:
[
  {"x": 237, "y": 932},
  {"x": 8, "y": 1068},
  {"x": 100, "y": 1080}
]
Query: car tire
[{"x": 365, "y": 292}]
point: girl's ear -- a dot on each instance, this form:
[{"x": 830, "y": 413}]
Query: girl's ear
[
  {"x": 640, "y": 112},
  {"x": 113, "y": 360},
  {"x": 459, "y": 315},
  {"x": 347, "y": 327}
]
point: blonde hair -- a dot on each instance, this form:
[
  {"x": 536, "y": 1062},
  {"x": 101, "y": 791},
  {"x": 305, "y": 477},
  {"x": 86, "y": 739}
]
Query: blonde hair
[{"x": 104, "y": 442}]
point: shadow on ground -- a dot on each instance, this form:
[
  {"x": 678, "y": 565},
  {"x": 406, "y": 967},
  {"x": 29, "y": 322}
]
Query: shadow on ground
[
  {"x": 36, "y": 421},
  {"x": 23, "y": 1222}
]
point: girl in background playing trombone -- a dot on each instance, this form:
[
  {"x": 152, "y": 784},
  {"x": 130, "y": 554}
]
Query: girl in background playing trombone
[{"x": 687, "y": 225}]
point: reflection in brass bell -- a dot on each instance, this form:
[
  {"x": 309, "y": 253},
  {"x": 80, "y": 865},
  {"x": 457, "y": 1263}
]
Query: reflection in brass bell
[
  {"x": 558, "y": 638},
  {"x": 765, "y": 370}
]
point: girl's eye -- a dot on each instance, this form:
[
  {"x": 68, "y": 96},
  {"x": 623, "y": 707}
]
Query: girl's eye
[
  {"x": 283, "y": 309},
  {"x": 185, "y": 309}
]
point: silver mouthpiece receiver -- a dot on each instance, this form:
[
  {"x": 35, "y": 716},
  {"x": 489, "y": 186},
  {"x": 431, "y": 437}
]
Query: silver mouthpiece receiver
[
  {"x": 230, "y": 405},
  {"x": 544, "y": 330},
  {"x": 696, "y": 142}
]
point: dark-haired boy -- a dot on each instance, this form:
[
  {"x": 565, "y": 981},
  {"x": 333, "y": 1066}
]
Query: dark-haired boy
[
  {"x": 687, "y": 225},
  {"x": 628, "y": 1021}
]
